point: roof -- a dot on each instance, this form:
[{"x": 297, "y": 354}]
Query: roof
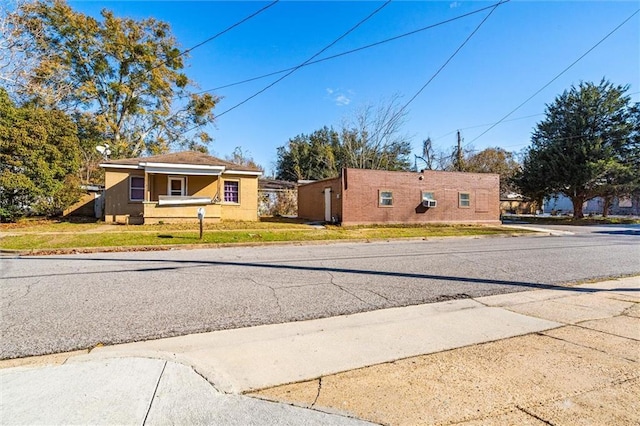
[
  {"x": 194, "y": 158},
  {"x": 266, "y": 183}
]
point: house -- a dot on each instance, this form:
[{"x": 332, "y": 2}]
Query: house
[
  {"x": 361, "y": 196},
  {"x": 512, "y": 203},
  {"x": 173, "y": 187},
  {"x": 90, "y": 204},
  {"x": 277, "y": 197},
  {"x": 622, "y": 206}
]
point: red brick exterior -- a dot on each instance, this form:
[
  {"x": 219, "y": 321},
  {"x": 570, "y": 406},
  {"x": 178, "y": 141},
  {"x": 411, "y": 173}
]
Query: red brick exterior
[
  {"x": 355, "y": 197},
  {"x": 311, "y": 199}
]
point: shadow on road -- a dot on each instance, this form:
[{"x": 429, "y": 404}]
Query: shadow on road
[{"x": 186, "y": 264}]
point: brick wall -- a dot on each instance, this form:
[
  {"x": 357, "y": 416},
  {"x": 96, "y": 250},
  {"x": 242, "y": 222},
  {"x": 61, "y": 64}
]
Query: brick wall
[
  {"x": 311, "y": 198},
  {"x": 355, "y": 197},
  {"x": 362, "y": 192}
]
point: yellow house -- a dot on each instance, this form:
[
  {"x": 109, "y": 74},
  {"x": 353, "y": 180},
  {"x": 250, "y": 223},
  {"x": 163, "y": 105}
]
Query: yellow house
[{"x": 173, "y": 187}]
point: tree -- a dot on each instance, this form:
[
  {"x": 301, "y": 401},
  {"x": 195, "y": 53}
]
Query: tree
[
  {"x": 583, "y": 146},
  {"x": 126, "y": 73},
  {"x": 308, "y": 157},
  {"x": 494, "y": 160},
  {"x": 39, "y": 159},
  {"x": 243, "y": 158},
  {"x": 432, "y": 159},
  {"x": 372, "y": 138}
]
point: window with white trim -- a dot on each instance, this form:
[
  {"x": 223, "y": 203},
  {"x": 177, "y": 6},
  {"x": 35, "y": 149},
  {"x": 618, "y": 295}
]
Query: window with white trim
[
  {"x": 385, "y": 199},
  {"x": 136, "y": 188},
  {"x": 464, "y": 199},
  {"x": 176, "y": 186},
  {"x": 231, "y": 191}
]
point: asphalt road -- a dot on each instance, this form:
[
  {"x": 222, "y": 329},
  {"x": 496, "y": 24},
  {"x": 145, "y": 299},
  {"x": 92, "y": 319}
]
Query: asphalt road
[{"x": 52, "y": 304}]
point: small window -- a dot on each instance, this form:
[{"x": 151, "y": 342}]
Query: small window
[
  {"x": 464, "y": 199},
  {"x": 428, "y": 196},
  {"x": 385, "y": 199},
  {"x": 231, "y": 191},
  {"x": 176, "y": 186},
  {"x": 136, "y": 188}
]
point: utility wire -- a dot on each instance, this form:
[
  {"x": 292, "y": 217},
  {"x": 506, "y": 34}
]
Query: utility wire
[
  {"x": 230, "y": 28},
  {"x": 485, "y": 125},
  {"x": 348, "y": 52},
  {"x": 556, "y": 77},
  {"x": 495, "y": 6},
  {"x": 503, "y": 121},
  {"x": 307, "y": 61},
  {"x": 213, "y": 37},
  {"x": 424, "y": 86}
]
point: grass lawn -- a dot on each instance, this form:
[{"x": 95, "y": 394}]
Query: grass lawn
[{"x": 51, "y": 235}]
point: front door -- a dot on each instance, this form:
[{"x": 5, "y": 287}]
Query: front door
[{"x": 327, "y": 204}]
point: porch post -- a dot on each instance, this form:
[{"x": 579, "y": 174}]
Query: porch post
[{"x": 147, "y": 194}]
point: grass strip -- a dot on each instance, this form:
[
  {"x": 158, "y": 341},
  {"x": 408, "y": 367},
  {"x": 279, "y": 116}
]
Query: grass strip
[{"x": 166, "y": 237}]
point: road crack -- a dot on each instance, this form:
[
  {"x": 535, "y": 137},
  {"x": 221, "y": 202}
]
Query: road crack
[
  {"x": 535, "y": 416},
  {"x": 318, "y": 393},
  {"x": 273, "y": 292},
  {"x": 347, "y": 291},
  {"x": 26, "y": 293}
]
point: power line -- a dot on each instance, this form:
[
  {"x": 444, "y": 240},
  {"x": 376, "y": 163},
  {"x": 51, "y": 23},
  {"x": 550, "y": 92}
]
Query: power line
[
  {"x": 307, "y": 61},
  {"x": 229, "y": 28},
  {"x": 487, "y": 124},
  {"x": 401, "y": 110},
  {"x": 495, "y": 6},
  {"x": 503, "y": 121},
  {"x": 557, "y": 76},
  {"x": 348, "y": 52},
  {"x": 213, "y": 37}
]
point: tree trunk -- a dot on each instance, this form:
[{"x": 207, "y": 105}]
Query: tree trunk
[
  {"x": 578, "y": 202},
  {"x": 607, "y": 204}
]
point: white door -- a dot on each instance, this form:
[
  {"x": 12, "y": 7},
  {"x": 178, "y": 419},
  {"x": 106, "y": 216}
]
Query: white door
[{"x": 327, "y": 204}]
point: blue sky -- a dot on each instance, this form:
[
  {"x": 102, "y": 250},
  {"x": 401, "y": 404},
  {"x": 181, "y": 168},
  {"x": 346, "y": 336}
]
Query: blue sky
[{"x": 519, "y": 49}]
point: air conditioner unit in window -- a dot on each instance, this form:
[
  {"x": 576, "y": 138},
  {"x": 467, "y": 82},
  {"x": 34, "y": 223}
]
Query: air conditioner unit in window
[{"x": 429, "y": 203}]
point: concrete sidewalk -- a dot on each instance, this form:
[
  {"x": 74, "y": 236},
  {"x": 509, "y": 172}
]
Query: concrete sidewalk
[{"x": 521, "y": 358}]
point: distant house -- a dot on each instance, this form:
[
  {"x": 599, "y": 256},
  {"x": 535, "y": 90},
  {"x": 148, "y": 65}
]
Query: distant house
[
  {"x": 513, "y": 203},
  {"x": 172, "y": 187},
  {"x": 623, "y": 206},
  {"x": 360, "y": 196},
  {"x": 90, "y": 204},
  {"x": 277, "y": 197}
]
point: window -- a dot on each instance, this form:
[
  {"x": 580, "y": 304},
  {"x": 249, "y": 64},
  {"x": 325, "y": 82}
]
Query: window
[
  {"x": 625, "y": 202},
  {"x": 385, "y": 199},
  {"x": 428, "y": 196},
  {"x": 136, "y": 188},
  {"x": 464, "y": 199},
  {"x": 231, "y": 191},
  {"x": 176, "y": 186}
]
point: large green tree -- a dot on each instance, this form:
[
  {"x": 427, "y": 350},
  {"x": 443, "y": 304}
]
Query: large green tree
[
  {"x": 39, "y": 159},
  {"x": 308, "y": 157},
  {"x": 127, "y": 74},
  {"x": 584, "y": 146},
  {"x": 494, "y": 160}
]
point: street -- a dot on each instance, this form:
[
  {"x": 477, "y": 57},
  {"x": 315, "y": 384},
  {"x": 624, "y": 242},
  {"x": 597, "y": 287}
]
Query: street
[{"x": 52, "y": 304}]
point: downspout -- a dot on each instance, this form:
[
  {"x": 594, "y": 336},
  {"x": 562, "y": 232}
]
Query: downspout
[{"x": 343, "y": 193}]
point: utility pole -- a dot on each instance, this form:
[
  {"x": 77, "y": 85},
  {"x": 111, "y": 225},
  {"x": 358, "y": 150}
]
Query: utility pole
[{"x": 459, "y": 153}]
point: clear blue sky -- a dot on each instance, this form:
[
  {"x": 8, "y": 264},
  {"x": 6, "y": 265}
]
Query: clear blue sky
[{"x": 520, "y": 48}]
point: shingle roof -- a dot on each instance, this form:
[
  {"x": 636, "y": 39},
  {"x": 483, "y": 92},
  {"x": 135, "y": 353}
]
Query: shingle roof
[{"x": 185, "y": 157}]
